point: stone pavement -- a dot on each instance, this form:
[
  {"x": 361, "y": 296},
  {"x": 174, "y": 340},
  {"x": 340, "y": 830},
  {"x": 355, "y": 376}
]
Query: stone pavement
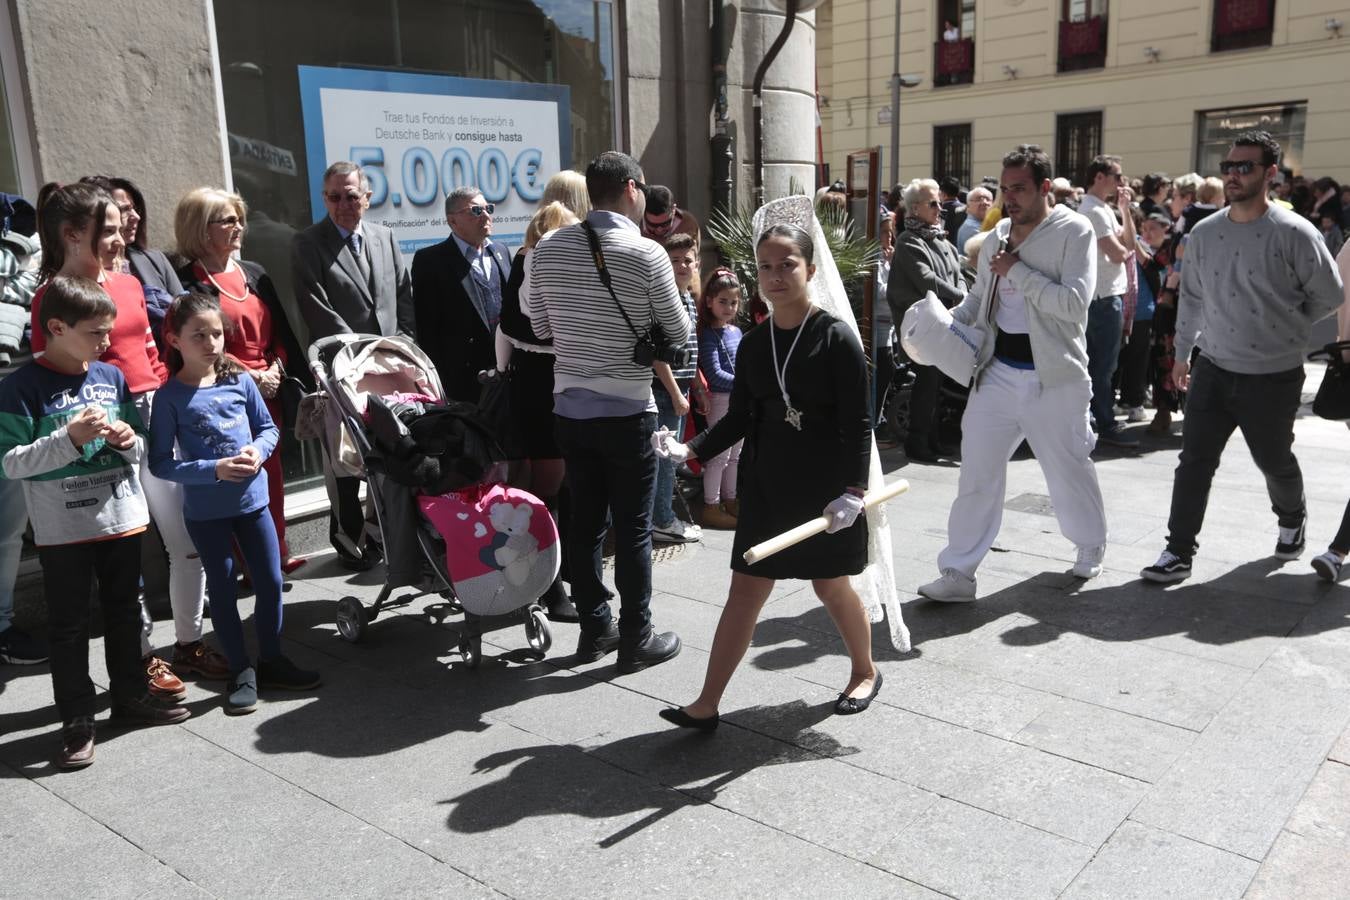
[{"x": 1108, "y": 739}]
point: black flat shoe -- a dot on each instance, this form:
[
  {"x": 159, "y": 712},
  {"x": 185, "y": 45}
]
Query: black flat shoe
[
  {"x": 848, "y": 706},
  {"x": 677, "y": 716}
]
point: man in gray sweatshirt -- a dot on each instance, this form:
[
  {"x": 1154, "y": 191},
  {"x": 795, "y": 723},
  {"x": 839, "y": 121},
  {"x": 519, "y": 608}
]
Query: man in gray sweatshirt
[{"x": 1256, "y": 277}]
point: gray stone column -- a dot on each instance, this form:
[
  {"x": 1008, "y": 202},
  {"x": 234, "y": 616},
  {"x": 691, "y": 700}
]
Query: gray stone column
[
  {"x": 789, "y": 99},
  {"x": 123, "y": 87}
]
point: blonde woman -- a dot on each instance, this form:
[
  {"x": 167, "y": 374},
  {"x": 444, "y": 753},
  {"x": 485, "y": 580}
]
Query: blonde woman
[
  {"x": 568, "y": 187},
  {"x": 209, "y": 228},
  {"x": 529, "y": 360}
]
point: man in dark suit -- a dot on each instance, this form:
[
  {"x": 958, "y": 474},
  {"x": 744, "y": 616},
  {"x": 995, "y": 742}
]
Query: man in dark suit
[
  {"x": 349, "y": 277},
  {"x": 457, "y": 286}
]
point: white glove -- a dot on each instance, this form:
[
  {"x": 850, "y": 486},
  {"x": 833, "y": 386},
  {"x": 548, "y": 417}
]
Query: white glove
[
  {"x": 843, "y": 512},
  {"x": 666, "y": 447}
]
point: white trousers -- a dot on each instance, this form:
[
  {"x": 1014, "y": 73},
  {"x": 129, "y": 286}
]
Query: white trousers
[
  {"x": 187, "y": 581},
  {"x": 1010, "y": 405}
]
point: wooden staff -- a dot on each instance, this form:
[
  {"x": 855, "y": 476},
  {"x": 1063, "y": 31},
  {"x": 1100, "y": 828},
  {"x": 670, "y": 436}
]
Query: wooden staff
[{"x": 817, "y": 526}]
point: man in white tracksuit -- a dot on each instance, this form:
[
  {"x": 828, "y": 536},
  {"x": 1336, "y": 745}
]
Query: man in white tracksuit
[{"x": 1036, "y": 277}]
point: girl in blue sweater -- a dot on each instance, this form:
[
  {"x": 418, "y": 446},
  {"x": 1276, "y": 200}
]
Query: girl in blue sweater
[
  {"x": 718, "y": 339},
  {"x": 223, "y": 434}
]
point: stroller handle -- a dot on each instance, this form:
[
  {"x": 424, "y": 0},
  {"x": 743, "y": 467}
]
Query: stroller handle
[{"x": 328, "y": 346}]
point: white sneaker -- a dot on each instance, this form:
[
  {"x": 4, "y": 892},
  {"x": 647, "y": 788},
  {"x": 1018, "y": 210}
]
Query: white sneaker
[
  {"x": 1136, "y": 414},
  {"x": 952, "y": 587},
  {"x": 1089, "y": 564},
  {"x": 677, "y": 532}
]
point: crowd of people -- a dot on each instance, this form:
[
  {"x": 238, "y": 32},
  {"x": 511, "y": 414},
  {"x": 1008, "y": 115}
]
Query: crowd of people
[{"x": 155, "y": 395}]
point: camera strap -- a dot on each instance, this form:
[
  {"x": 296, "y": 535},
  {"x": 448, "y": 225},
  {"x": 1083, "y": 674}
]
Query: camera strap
[{"x": 603, "y": 272}]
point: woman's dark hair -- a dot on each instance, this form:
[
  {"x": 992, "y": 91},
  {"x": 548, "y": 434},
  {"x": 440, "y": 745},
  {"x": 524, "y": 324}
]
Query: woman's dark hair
[
  {"x": 73, "y": 299},
  {"x": 112, "y": 183},
  {"x": 72, "y": 206},
  {"x": 805, "y": 246},
  {"x": 720, "y": 280},
  {"x": 180, "y": 313}
]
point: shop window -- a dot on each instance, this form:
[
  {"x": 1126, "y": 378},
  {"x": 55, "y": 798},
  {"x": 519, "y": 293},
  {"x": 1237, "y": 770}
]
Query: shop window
[
  {"x": 1216, "y": 128},
  {"x": 1242, "y": 23},
  {"x": 262, "y": 43},
  {"x": 1078, "y": 138},
  {"x": 1082, "y": 35},
  {"x": 951, "y": 152}
]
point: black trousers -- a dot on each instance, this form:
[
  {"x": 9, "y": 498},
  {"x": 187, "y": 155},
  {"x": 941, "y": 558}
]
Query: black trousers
[
  {"x": 1218, "y": 402},
  {"x": 1134, "y": 358},
  {"x": 68, "y": 571},
  {"x": 923, "y": 405}
]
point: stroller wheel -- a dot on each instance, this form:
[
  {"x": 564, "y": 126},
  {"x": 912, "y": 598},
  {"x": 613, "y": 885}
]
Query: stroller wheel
[
  {"x": 471, "y": 648},
  {"x": 351, "y": 619},
  {"x": 537, "y": 631}
]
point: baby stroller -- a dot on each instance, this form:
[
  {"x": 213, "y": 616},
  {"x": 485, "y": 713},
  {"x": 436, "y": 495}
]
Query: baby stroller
[{"x": 444, "y": 465}]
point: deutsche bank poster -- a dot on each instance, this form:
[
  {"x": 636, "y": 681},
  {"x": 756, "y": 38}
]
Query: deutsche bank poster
[{"x": 418, "y": 137}]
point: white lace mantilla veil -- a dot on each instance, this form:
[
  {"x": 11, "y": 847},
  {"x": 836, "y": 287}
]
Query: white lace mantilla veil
[{"x": 876, "y": 584}]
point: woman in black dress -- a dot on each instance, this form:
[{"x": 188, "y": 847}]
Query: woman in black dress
[{"x": 800, "y": 403}]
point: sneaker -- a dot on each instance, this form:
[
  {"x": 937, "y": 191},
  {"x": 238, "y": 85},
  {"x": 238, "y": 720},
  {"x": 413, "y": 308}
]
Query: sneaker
[
  {"x": 677, "y": 532},
  {"x": 1290, "y": 544},
  {"x": 241, "y": 694},
  {"x": 147, "y": 709},
  {"x": 952, "y": 587},
  {"x": 1328, "y": 566},
  {"x": 1167, "y": 569},
  {"x": 161, "y": 681},
  {"x": 1136, "y": 414},
  {"x": 1089, "y": 564},
  {"x": 77, "y": 744},
  {"x": 1117, "y": 437},
  {"x": 282, "y": 674},
  {"x": 200, "y": 659},
  {"x": 19, "y": 648}
]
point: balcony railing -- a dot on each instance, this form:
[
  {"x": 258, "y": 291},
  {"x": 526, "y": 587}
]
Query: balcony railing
[
  {"x": 1082, "y": 45},
  {"x": 954, "y": 62},
  {"x": 1242, "y": 23}
]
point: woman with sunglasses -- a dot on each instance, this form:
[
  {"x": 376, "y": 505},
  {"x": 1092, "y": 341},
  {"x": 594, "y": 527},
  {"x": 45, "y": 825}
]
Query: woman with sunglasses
[
  {"x": 209, "y": 228},
  {"x": 923, "y": 260}
]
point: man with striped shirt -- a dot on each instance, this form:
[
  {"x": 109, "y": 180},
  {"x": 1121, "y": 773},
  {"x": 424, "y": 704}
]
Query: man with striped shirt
[{"x": 603, "y": 406}]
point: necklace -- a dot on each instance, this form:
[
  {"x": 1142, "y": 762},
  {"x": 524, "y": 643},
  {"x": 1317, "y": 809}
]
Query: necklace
[
  {"x": 224, "y": 293},
  {"x": 793, "y": 416}
]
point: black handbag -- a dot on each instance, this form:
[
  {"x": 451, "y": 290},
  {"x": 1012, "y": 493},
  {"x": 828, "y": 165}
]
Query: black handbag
[{"x": 1333, "y": 397}]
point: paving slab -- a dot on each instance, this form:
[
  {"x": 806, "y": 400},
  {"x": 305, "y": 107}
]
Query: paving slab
[
  {"x": 1236, "y": 784},
  {"x": 1143, "y": 863},
  {"x": 1302, "y": 867},
  {"x": 1130, "y": 745},
  {"x": 970, "y": 853}
]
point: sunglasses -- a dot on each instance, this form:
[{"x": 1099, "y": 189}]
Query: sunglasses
[
  {"x": 479, "y": 211},
  {"x": 639, "y": 185},
  {"x": 933, "y": 204},
  {"x": 1240, "y": 166},
  {"x": 228, "y": 221},
  {"x": 336, "y": 198}
]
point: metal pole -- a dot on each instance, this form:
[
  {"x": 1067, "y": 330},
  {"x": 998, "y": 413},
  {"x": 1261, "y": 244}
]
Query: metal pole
[{"x": 895, "y": 105}]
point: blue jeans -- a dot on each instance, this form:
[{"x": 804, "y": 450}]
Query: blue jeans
[
  {"x": 257, "y": 538},
  {"x": 1106, "y": 324},
  {"x": 611, "y": 472},
  {"x": 663, "y": 502},
  {"x": 13, "y": 520}
]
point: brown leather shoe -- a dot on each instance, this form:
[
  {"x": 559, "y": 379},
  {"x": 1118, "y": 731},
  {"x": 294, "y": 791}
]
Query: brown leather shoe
[
  {"x": 147, "y": 709},
  {"x": 1161, "y": 424},
  {"x": 77, "y": 744},
  {"x": 200, "y": 659},
  {"x": 160, "y": 680},
  {"x": 733, "y": 508},
  {"x": 715, "y": 517}
]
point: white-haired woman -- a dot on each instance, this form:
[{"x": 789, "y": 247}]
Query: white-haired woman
[{"x": 924, "y": 260}]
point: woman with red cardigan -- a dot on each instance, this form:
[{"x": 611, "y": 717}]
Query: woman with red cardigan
[
  {"x": 79, "y": 225},
  {"x": 209, "y": 228}
]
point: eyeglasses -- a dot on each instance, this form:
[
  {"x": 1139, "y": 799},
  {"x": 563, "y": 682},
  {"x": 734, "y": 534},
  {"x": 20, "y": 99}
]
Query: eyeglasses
[
  {"x": 228, "y": 221},
  {"x": 337, "y": 199},
  {"x": 479, "y": 211},
  {"x": 127, "y": 210},
  {"x": 1240, "y": 166}
]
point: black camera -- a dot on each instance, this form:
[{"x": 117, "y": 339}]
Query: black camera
[{"x": 652, "y": 348}]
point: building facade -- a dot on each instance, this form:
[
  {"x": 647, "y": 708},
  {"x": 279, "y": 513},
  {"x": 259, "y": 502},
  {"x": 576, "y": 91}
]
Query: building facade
[
  {"x": 176, "y": 94},
  {"x": 1164, "y": 84}
]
